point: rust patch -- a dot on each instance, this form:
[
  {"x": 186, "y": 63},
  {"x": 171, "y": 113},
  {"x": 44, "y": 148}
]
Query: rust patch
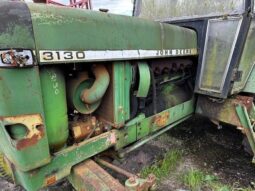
[
  {"x": 246, "y": 101},
  {"x": 87, "y": 128},
  {"x": 90, "y": 176},
  {"x": 223, "y": 111},
  {"x": 137, "y": 184},
  {"x": 162, "y": 119},
  {"x": 159, "y": 66},
  {"x": 34, "y": 125},
  {"x": 112, "y": 139},
  {"x": 27, "y": 142},
  {"x": 50, "y": 180},
  {"x": 116, "y": 168}
]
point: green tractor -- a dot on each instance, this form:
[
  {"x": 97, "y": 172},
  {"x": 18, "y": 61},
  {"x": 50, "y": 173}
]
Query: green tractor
[{"x": 78, "y": 85}]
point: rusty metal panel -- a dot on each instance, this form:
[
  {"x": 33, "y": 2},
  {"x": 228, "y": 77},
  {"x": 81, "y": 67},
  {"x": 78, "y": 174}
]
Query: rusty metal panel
[
  {"x": 90, "y": 176},
  {"x": 223, "y": 111},
  {"x": 20, "y": 97},
  {"x": 62, "y": 162},
  {"x": 21, "y": 151},
  {"x": 31, "y": 122},
  {"x": 115, "y": 107}
]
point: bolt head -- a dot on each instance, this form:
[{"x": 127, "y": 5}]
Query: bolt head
[{"x": 131, "y": 180}]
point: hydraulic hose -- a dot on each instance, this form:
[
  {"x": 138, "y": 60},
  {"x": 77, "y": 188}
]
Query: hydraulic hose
[{"x": 154, "y": 92}]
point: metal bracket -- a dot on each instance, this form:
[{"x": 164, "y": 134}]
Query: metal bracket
[
  {"x": 237, "y": 75},
  {"x": 247, "y": 120}
]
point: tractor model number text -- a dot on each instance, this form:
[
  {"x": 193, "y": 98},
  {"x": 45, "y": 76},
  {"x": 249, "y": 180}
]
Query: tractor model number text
[{"x": 63, "y": 55}]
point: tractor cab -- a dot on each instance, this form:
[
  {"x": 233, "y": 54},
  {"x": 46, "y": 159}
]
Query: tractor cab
[
  {"x": 225, "y": 39},
  {"x": 225, "y": 75}
]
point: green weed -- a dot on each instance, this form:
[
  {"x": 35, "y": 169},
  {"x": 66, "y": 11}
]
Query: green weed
[
  {"x": 194, "y": 179},
  {"x": 162, "y": 168},
  {"x": 197, "y": 180}
]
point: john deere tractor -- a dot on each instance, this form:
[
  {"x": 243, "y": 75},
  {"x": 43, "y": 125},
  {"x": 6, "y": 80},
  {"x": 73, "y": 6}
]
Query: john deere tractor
[{"x": 78, "y": 85}]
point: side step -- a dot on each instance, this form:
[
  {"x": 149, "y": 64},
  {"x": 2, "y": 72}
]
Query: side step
[{"x": 89, "y": 176}]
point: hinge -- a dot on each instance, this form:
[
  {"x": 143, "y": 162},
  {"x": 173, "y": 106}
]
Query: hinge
[{"x": 237, "y": 75}]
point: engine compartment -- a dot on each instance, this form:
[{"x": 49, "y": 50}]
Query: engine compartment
[{"x": 65, "y": 91}]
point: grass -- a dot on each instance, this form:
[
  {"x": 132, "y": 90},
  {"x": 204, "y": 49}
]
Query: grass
[
  {"x": 163, "y": 167},
  {"x": 193, "y": 179},
  {"x": 197, "y": 180},
  {"x": 237, "y": 188}
]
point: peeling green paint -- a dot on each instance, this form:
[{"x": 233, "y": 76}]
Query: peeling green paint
[
  {"x": 15, "y": 35},
  {"x": 90, "y": 30}
]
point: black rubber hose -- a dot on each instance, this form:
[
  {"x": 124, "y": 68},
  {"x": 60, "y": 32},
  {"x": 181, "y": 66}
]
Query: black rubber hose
[
  {"x": 134, "y": 106},
  {"x": 154, "y": 92}
]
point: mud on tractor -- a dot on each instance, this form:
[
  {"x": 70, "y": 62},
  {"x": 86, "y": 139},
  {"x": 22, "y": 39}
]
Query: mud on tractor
[{"x": 77, "y": 85}]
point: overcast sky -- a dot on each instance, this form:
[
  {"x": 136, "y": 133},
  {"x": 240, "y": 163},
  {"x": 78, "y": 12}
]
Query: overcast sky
[{"x": 115, "y": 6}]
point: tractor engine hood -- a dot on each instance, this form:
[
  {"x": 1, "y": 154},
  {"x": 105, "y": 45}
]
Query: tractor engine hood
[
  {"x": 66, "y": 35},
  {"x": 16, "y": 29}
]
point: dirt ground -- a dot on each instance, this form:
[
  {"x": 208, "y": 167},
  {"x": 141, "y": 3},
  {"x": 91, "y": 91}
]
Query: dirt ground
[
  {"x": 215, "y": 151},
  {"x": 218, "y": 152}
]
